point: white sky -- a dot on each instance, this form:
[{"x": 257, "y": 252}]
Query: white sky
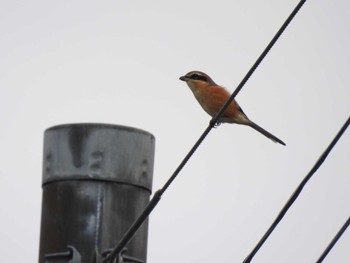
[{"x": 119, "y": 62}]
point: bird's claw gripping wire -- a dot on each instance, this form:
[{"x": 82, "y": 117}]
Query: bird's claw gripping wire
[{"x": 217, "y": 124}]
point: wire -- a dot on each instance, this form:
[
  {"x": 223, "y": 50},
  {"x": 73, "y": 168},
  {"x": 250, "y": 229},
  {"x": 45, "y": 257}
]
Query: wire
[
  {"x": 334, "y": 240},
  {"x": 157, "y": 196},
  {"x": 295, "y": 195},
  {"x": 257, "y": 63}
]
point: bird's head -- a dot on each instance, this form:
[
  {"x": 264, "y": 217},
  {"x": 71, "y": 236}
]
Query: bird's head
[{"x": 195, "y": 79}]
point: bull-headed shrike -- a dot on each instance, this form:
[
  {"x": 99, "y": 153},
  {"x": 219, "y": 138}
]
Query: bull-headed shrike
[{"x": 212, "y": 97}]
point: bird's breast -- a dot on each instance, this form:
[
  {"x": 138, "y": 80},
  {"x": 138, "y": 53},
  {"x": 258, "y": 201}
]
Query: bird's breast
[{"x": 212, "y": 98}]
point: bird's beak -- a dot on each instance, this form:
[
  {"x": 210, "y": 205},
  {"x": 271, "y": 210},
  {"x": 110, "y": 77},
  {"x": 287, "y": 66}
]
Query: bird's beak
[{"x": 183, "y": 78}]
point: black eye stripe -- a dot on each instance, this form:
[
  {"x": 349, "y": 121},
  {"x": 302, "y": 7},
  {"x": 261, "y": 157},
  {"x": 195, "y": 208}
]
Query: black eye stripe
[{"x": 198, "y": 77}]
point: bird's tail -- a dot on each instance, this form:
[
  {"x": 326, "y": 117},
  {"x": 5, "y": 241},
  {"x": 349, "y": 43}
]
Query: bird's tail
[{"x": 265, "y": 132}]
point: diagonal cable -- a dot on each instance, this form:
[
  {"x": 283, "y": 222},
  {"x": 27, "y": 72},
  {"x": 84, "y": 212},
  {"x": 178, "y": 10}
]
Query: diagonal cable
[
  {"x": 296, "y": 193},
  {"x": 157, "y": 196},
  {"x": 334, "y": 240},
  {"x": 258, "y": 61}
]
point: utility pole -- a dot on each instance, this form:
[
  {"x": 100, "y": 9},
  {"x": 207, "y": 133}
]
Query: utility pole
[{"x": 97, "y": 179}]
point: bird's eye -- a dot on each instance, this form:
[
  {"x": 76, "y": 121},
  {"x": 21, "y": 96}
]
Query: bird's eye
[{"x": 198, "y": 77}]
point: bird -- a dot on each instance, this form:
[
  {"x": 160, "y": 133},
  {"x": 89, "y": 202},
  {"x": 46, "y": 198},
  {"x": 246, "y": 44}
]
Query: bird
[{"x": 212, "y": 97}]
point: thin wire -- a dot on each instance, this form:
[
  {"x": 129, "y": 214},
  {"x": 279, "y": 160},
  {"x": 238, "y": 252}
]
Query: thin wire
[
  {"x": 295, "y": 195},
  {"x": 256, "y": 64},
  {"x": 157, "y": 196},
  {"x": 334, "y": 240}
]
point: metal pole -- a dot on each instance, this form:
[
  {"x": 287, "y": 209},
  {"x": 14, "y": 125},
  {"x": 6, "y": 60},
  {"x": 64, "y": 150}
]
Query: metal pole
[{"x": 97, "y": 179}]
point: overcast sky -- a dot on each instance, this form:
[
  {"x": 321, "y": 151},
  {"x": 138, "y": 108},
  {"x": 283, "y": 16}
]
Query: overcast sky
[{"x": 119, "y": 62}]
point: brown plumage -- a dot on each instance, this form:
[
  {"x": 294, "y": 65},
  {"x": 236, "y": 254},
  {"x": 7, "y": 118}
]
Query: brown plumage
[{"x": 212, "y": 97}]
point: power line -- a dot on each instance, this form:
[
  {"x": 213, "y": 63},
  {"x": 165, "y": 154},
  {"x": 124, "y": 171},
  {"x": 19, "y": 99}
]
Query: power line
[
  {"x": 157, "y": 196},
  {"x": 258, "y": 61},
  {"x": 296, "y": 193},
  {"x": 334, "y": 240}
]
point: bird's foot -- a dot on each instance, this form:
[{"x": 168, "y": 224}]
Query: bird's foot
[{"x": 217, "y": 124}]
